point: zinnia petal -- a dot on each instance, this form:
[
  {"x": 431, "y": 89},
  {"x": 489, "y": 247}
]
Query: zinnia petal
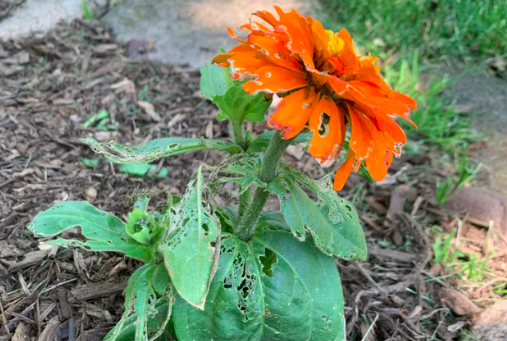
[
  {"x": 343, "y": 172},
  {"x": 293, "y": 112},
  {"x": 275, "y": 79},
  {"x": 379, "y": 161},
  {"x": 328, "y": 136},
  {"x": 360, "y": 136}
]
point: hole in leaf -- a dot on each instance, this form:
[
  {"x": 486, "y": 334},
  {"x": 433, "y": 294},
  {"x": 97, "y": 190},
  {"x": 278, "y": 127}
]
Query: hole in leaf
[
  {"x": 213, "y": 244},
  {"x": 227, "y": 282},
  {"x": 205, "y": 228},
  {"x": 267, "y": 261}
]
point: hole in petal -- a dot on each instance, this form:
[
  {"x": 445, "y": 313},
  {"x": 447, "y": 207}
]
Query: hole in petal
[{"x": 324, "y": 125}]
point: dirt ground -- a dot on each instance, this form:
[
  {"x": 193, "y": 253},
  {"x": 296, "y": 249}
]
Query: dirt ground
[{"x": 50, "y": 85}]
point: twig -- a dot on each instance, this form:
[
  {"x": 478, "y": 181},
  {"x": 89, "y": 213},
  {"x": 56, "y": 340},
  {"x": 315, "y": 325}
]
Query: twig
[
  {"x": 417, "y": 205},
  {"x": 4, "y": 320},
  {"x": 489, "y": 283},
  {"x": 367, "y": 276},
  {"x": 370, "y": 328}
]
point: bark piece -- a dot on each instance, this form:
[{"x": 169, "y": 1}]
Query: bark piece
[
  {"x": 89, "y": 291},
  {"x": 459, "y": 303}
]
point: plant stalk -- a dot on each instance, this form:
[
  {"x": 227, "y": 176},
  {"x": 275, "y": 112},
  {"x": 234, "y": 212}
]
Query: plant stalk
[
  {"x": 248, "y": 221},
  {"x": 238, "y": 135}
]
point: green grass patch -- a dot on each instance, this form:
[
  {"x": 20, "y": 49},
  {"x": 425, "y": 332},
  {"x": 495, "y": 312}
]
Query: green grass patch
[
  {"x": 437, "y": 122},
  {"x": 467, "y": 29}
]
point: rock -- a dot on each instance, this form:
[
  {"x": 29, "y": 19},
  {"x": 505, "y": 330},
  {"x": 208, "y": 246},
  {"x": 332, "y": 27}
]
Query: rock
[
  {"x": 459, "y": 303},
  {"x": 40, "y": 16},
  {"x": 480, "y": 91},
  {"x": 91, "y": 194},
  {"x": 482, "y": 207},
  {"x": 186, "y": 31},
  {"x": 399, "y": 197},
  {"x": 492, "y": 324}
]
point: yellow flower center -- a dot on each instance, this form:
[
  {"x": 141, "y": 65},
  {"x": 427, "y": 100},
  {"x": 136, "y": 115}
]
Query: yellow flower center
[{"x": 334, "y": 43}]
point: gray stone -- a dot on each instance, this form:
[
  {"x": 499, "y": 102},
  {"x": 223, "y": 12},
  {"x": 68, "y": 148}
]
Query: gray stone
[
  {"x": 188, "y": 31},
  {"x": 492, "y": 324},
  {"x": 486, "y": 94},
  {"x": 40, "y": 15},
  {"x": 482, "y": 206}
]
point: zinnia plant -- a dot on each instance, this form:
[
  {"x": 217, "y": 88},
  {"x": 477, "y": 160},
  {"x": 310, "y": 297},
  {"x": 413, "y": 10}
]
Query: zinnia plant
[{"x": 214, "y": 272}]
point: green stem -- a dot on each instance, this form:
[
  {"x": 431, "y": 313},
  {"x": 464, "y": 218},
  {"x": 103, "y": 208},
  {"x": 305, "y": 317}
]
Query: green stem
[
  {"x": 248, "y": 221},
  {"x": 244, "y": 201},
  {"x": 237, "y": 134}
]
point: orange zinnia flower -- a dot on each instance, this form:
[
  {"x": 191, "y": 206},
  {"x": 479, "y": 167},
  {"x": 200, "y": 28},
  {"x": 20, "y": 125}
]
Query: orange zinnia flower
[{"x": 325, "y": 86}]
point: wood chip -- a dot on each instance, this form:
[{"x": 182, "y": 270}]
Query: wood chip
[
  {"x": 50, "y": 331},
  {"x": 29, "y": 259},
  {"x": 89, "y": 291},
  {"x": 150, "y": 110},
  {"x": 176, "y": 119},
  {"x": 21, "y": 333}
]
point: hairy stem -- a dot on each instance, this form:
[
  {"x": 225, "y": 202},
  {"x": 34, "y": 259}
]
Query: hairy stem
[
  {"x": 237, "y": 134},
  {"x": 244, "y": 201},
  {"x": 248, "y": 221}
]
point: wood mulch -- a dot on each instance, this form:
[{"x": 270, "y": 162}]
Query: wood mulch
[{"x": 51, "y": 84}]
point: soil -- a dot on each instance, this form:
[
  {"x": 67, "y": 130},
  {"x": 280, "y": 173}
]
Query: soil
[{"x": 52, "y": 84}]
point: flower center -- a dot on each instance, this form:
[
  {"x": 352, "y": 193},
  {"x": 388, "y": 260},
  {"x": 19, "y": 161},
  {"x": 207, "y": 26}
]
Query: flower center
[{"x": 334, "y": 43}]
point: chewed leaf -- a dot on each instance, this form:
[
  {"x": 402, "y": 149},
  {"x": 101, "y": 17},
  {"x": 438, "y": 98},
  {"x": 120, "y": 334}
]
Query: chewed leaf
[
  {"x": 103, "y": 231},
  {"x": 270, "y": 288},
  {"x": 141, "y": 301},
  {"x": 157, "y": 148},
  {"x": 331, "y": 220},
  {"x": 192, "y": 246}
]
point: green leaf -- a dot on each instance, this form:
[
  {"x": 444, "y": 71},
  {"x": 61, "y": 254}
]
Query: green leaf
[
  {"x": 90, "y": 163},
  {"x": 332, "y": 221},
  {"x": 271, "y": 288},
  {"x": 142, "y": 203},
  {"x": 140, "y": 297},
  {"x": 142, "y": 169},
  {"x": 157, "y": 148},
  {"x": 155, "y": 323},
  {"x": 190, "y": 252},
  {"x": 138, "y": 227},
  {"x": 272, "y": 218},
  {"x": 103, "y": 231},
  {"x": 214, "y": 80},
  {"x": 161, "y": 280},
  {"x": 246, "y": 170},
  {"x": 101, "y": 115},
  {"x": 261, "y": 142},
  {"x": 238, "y": 106}
]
